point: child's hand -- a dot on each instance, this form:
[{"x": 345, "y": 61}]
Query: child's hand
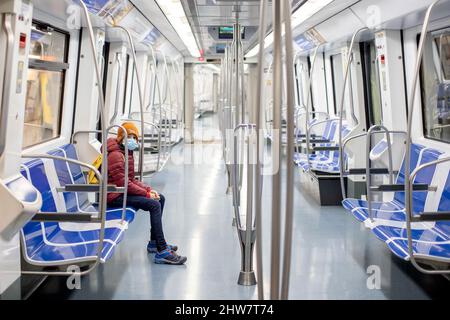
[{"x": 154, "y": 195}]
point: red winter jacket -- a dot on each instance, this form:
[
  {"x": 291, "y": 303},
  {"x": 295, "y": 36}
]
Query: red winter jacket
[{"x": 116, "y": 171}]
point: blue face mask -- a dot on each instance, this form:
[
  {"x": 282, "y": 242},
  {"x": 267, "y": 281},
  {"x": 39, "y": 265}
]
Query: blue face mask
[{"x": 132, "y": 144}]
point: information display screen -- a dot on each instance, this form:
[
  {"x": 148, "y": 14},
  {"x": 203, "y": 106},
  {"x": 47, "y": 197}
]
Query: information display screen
[{"x": 226, "y": 33}]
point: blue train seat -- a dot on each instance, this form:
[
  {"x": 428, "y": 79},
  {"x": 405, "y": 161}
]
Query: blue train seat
[
  {"x": 52, "y": 243},
  {"x": 327, "y": 134},
  {"x": 394, "y": 209},
  {"x": 324, "y": 161},
  {"x": 430, "y": 239}
]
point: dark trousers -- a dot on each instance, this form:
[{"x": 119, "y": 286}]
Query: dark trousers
[{"x": 155, "y": 209}]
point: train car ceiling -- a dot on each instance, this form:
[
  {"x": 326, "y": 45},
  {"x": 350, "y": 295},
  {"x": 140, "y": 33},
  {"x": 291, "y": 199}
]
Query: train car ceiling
[{"x": 133, "y": 16}]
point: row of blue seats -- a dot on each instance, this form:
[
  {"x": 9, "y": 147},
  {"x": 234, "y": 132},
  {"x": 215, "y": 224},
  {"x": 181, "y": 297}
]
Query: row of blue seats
[
  {"x": 326, "y": 160},
  {"x": 388, "y": 219},
  {"x": 53, "y": 243}
]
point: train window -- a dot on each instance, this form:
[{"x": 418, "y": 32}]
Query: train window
[
  {"x": 45, "y": 84},
  {"x": 435, "y": 85},
  {"x": 47, "y": 44},
  {"x": 372, "y": 84}
]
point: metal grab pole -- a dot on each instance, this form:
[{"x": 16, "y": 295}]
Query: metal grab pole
[
  {"x": 230, "y": 120},
  {"x": 116, "y": 102},
  {"x": 5, "y": 103},
  {"x": 104, "y": 170},
  {"x": 125, "y": 184},
  {"x": 258, "y": 174},
  {"x": 160, "y": 103},
  {"x": 236, "y": 30},
  {"x": 155, "y": 126},
  {"x": 158, "y": 88},
  {"x": 368, "y": 174},
  {"x": 408, "y": 187},
  {"x": 177, "y": 97},
  {"x": 241, "y": 48},
  {"x": 290, "y": 92},
  {"x": 247, "y": 235},
  {"x": 276, "y": 154},
  {"x": 308, "y": 104},
  {"x": 341, "y": 110},
  {"x": 140, "y": 94},
  {"x": 168, "y": 93},
  {"x": 155, "y": 79}
]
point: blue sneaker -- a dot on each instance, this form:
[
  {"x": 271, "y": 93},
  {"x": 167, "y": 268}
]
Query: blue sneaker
[
  {"x": 169, "y": 257},
  {"x": 152, "y": 248}
]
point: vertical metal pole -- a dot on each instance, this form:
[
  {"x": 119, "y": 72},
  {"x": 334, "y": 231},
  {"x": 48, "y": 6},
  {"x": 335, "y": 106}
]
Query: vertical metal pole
[
  {"x": 119, "y": 74},
  {"x": 242, "y": 78},
  {"x": 104, "y": 171},
  {"x": 259, "y": 156},
  {"x": 368, "y": 175},
  {"x": 408, "y": 188},
  {"x": 189, "y": 103},
  {"x": 233, "y": 122},
  {"x": 247, "y": 235},
  {"x": 9, "y": 53},
  {"x": 308, "y": 104},
  {"x": 140, "y": 94},
  {"x": 236, "y": 67},
  {"x": 341, "y": 111},
  {"x": 276, "y": 143},
  {"x": 169, "y": 95},
  {"x": 249, "y": 231},
  {"x": 290, "y": 91}
]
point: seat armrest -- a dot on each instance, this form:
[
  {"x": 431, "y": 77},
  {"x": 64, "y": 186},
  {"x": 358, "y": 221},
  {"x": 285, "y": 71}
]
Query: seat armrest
[
  {"x": 432, "y": 216},
  {"x": 374, "y": 171},
  {"x": 65, "y": 217},
  {"x": 316, "y": 141},
  {"x": 331, "y": 148},
  {"x": 401, "y": 187},
  {"x": 88, "y": 188}
]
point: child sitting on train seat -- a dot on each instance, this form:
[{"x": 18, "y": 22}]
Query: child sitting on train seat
[{"x": 140, "y": 195}]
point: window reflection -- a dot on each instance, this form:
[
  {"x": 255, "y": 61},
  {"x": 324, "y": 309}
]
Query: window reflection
[
  {"x": 43, "y": 106},
  {"x": 44, "y": 101},
  {"x": 435, "y": 83}
]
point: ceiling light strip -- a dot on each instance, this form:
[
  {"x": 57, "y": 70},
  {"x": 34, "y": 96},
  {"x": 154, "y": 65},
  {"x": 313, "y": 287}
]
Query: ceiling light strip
[
  {"x": 174, "y": 12},
  {"x": 303, "y": 13}
]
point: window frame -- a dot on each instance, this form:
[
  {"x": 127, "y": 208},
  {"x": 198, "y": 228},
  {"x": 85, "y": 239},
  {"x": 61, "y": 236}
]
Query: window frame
[
  {"x": 422, "y": 87},
  {"x": 63, "y": 67}
]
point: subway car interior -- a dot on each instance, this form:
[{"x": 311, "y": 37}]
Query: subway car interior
[{"x": 285, "y": 150}]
